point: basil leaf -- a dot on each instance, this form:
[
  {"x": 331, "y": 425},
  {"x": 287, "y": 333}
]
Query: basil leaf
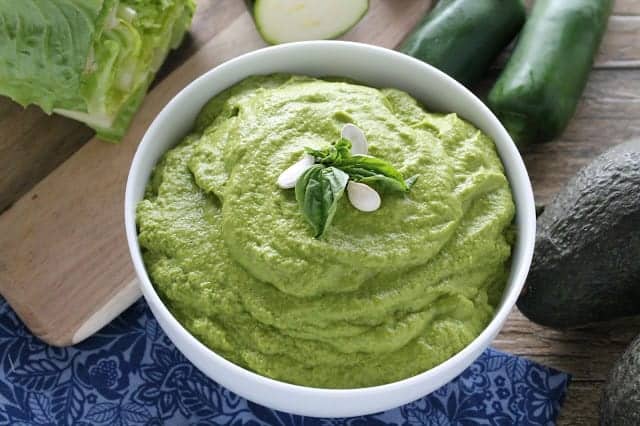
[
  {"x": 332, "y": 154},
  {"x": 318, "y": 191},
  {"x": 373, "y": 171},
  {"x": 383, "y": 183},
  {"x": 411, "y": 181}
]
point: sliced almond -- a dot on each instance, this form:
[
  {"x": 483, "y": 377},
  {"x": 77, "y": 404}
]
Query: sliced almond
[
  {"x": 358, "y": 140},
  {"x": 363, "y": 197},
  {"x": 289, "y": 177}
]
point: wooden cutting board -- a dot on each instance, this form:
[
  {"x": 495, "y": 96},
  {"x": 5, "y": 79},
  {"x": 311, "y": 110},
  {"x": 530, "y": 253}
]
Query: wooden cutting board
[
  {"x": 63, "y": 258},
  {"x": 64, "y": 262}
]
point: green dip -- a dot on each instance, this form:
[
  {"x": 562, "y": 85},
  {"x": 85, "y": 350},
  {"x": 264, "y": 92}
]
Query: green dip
[{"x": 383, "y": 295}]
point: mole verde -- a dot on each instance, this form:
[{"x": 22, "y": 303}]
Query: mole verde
[{"x": 380, "y": 294}]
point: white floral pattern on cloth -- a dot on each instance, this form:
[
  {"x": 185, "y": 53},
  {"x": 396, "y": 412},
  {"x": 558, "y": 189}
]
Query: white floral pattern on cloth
[{"x": 131, "y": 374}]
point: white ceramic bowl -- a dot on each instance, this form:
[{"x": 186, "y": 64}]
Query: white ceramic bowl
[{"x": 374, "y": 66}]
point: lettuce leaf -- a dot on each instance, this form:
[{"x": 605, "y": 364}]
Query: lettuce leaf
[{"x": 90, "y": 60}]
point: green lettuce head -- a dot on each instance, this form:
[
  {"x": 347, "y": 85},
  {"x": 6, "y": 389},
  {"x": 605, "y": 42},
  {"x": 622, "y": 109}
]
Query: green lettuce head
[{"x": 90, "y": 60}]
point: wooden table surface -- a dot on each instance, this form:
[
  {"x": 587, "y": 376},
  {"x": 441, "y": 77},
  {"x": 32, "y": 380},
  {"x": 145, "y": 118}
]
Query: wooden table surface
[{"x": 33, "y": 144}]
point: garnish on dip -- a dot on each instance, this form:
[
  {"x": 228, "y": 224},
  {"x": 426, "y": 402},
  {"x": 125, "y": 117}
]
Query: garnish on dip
[{"x": 321, "y": 177}]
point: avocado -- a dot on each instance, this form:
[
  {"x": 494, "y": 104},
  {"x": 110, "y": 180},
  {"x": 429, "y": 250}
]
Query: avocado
[
  {"x": 620, "y": 404},
  {"x": 586, "y": 262}
]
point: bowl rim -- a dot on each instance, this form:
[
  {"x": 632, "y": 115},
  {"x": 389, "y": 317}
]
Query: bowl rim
[{"x": 527, "y": 233}]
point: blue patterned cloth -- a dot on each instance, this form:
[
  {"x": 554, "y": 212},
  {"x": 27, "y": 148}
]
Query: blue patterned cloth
[{"x": 131, "y": 374}]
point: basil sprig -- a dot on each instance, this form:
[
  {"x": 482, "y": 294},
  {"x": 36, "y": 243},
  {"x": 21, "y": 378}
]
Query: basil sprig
[
  {"x": 373, "y": 171},
  {"x": 333, "y": 154},
  {"x": 320, "y": 187},
  {"x": 318, "y": 191}
]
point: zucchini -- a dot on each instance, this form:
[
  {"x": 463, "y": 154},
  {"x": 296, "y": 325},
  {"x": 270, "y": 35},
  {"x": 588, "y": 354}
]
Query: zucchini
[
  {"x": 538, "y": 92},
  {"x": 282, "y": 21},
  {"x": 463, "y": 37}
]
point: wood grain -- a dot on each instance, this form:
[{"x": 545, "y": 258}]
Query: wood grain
[
  {"x": 620, "y": 46},
  {"x": 45, "y": 142},
  {"x": 63, "y": 241},
  {"x": 608, "y": 114},
  {"x": 587, "y": 353},
  {"x": 626, "y": 7},
  {"x": 62, "y": 244},
  {"x": 621, "y": 43},
  {"x": 33, "y": 145},
  {"x": 390, "y": 23},
  {"x": 210, "y": 19}
]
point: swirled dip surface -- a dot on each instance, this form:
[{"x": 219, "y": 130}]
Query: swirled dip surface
[{"x": 383, "y": 295}]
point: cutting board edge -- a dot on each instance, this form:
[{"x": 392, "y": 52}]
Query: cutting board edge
[{"x": 123, "y": 299}]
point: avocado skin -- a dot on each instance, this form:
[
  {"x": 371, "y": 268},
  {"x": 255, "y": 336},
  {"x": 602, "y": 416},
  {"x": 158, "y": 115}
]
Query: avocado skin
[
  {"x": 621, "y": 396},
  {"x": 586, "y": 264}
]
